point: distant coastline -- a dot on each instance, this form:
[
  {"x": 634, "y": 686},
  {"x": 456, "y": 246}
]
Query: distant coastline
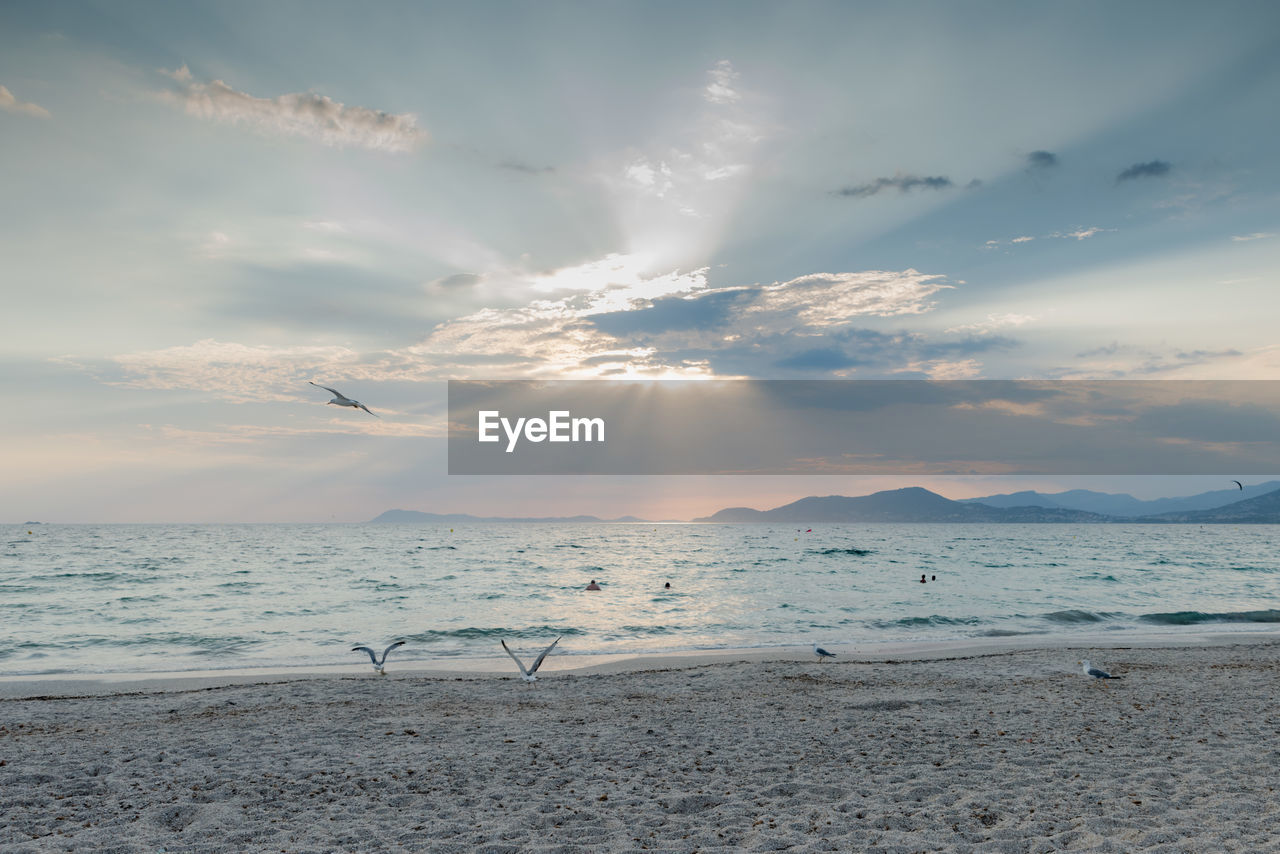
[{"x": 1260, "y": 505}]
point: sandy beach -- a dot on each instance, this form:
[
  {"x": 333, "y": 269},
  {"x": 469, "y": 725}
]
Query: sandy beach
[{"x": 1010, "y": 751}]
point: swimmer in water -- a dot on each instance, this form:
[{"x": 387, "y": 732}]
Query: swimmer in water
[
  {"x": 593, "y": 585},
  {"x": 923, "y": 580}
]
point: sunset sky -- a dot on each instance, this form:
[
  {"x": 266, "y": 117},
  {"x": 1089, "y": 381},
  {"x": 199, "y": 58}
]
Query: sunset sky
[{"x": 207, "y": 205}]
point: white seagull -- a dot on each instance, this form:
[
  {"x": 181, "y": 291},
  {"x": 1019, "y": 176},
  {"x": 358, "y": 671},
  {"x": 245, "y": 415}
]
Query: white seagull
[
  {"x": 822, "y": 654},
  {"x": 342, "y": 400},
  {"x": 379, "y": 664},
  {"x": 1090, "y": 670},
  {"x": 530, "y": 674}
]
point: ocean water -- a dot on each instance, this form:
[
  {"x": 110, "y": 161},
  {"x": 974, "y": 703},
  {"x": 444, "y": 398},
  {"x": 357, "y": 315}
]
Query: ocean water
[{"x": 148, "y": 598}]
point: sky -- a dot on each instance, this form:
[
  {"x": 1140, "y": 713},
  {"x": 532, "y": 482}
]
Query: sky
[{"x": 208, "y": 205}]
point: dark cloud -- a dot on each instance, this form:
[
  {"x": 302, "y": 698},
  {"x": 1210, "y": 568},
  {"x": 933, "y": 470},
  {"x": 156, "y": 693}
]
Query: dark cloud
[
  {"x": 818, "y": 359},
  {"x": 1212, "y": 421},
  {"x": 873, "y": 352},
  {"x": 1042, "y": 160},
  {"x": 1105, "y": 350},
  {"x": 521, "y": 166},
  {"x": 1150, "y": 169},
  {"x": 902, "y": 183},
  {"x": 673, "y": 314},
  {"x": 458, "y": 280}
]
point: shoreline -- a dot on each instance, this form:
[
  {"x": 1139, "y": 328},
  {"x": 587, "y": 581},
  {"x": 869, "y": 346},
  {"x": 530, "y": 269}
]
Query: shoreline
[{"x": 72, "y": 685}]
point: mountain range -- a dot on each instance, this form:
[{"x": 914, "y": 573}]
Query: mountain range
[
  {"x": 915, "y": 504},
  {"x": 1111, "y": 504},
  {"x": 1257, "y": 504}
]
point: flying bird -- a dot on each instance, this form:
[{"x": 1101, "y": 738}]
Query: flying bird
[
  {"x": 1238, "y": 483},
  {"x": 1090, "y": 670},
  {"x": 379, "y": 664},
  {"x": 530, "y": 674},
  {"x": 822, "y": 654},
  {"x": 342, "y": 400}
]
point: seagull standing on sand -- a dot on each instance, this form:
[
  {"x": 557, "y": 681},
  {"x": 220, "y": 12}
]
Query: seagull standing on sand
[
  {"x": 530, "y": 674},
  {"x": 379, "y": 664},
  {"x": 822, "y": 654},
  {"x": 1090, "y": 670},
  {"x": 342, "y": 400}
]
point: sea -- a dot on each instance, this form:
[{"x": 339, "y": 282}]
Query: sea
[{"x": 115, "y": 599}]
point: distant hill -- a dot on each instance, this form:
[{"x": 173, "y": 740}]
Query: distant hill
[
  {"x": 1260, "y": 510},
  {"x": 1110, "y": 504},
  {"x": 418, "y": 517},
  {"x": 913, "y": 504}
]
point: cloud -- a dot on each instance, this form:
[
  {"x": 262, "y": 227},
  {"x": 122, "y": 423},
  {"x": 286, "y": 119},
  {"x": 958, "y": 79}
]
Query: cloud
[
  {"x": 525, "y": 168},
  {"x": 458, "y": 280},
  {"x": 1119, "y": 360},
  {"x": 1150, "y": 169},
  {"x": 671, "y": 325},
  {"x": 1080, "y": 233},
  {"x": 666, "y": 326},
  {"x": 1077, "y": 234},
  {"x": 237, "y": 372},
  {"x": 902, "y": 183},
  {"x": 216, "y": 245},
  {"x": 1257, "y": 235},
  {"x": 9, "y": 103},
  {"x": 712, "y": 310},
  {"x": 832, "y": 299},
  {"x": 307, "y": 115},
  {"x": 819, "y": 358},
  {"x": 720, "y": 90},
  {"x": 1042, "y": 160},
  {"x": 994, "y": 322}
]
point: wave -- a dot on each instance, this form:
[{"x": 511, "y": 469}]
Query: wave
[
  {"x": 478, "y": 632},
  {"x": 1191, "y": 618},
  {"x": 933, "y": 620},
  {"x": 182, "y": 643},
  {"x": 838, "y": 551},
  {"x": 1076, "y": 616}
]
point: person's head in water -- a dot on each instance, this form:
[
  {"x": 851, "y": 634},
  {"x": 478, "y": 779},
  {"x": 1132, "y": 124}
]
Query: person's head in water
[
  {"x": 933, "y": 578},
  {"x": 923, "y": 580},
  {"x": 593, "y": 585},
  {"x": 667, "y": 586}
]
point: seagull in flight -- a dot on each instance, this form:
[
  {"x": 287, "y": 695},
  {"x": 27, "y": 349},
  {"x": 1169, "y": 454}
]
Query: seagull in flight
[
  {"x": 1090, "y": 670},
  {"x": 342, "y": 400},
  {"x": 822, "y": 654},
  {"x": 379, "y": 664},
  {"x": 530, "y": 674}
]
